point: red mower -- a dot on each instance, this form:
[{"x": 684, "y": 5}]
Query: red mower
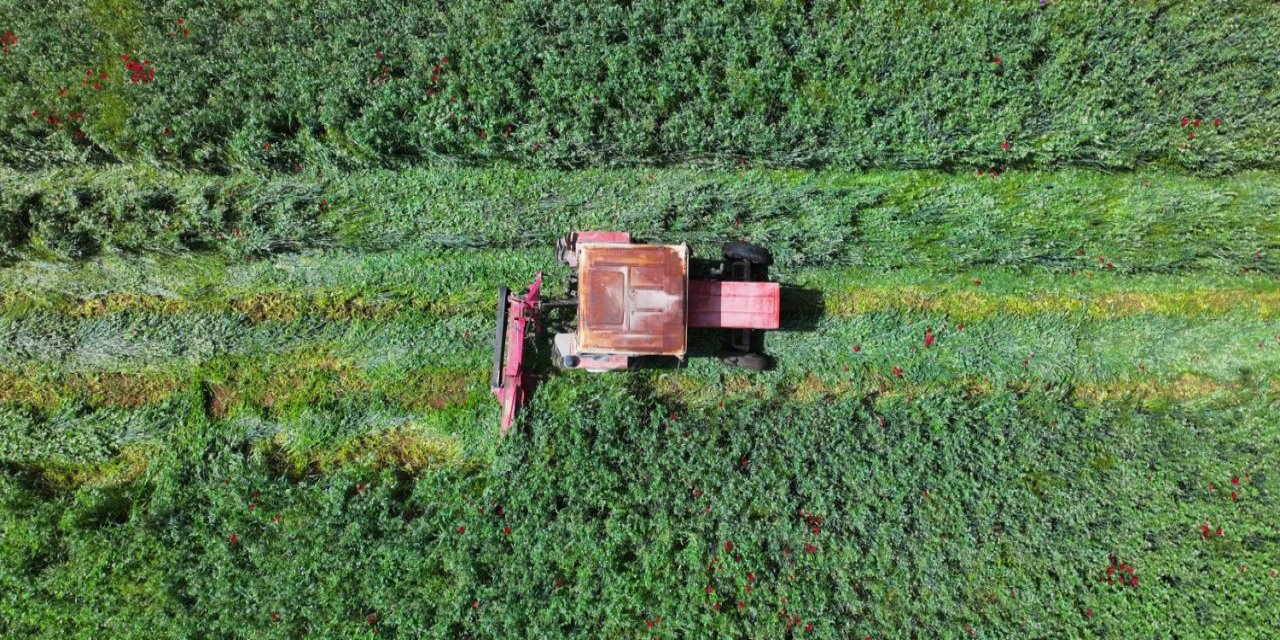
[{"x": 635, "y": 300}]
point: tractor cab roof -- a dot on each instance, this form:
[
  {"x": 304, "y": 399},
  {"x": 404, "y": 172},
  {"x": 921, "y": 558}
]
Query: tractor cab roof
[{"x": 632, "y": 299}]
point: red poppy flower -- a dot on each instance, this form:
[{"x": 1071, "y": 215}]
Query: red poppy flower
[
  {"x": 1004, "y": 145},
  {"x": 378, "y": 54},
  {"x": 648, "y": 623},
  {"x": 276, "y": 518},
  {"x": 728, "y": 545},
  {"x": 808, "y": 548},
  {"x": 742, "y": 605},
  {"x": 252, "y": 506},
  {"x": 275, "y": 615},
  {"x": 1217, "y": 121},
  {"x": 977, "y": 282},
  {"x": 372, "y": 619},
  {"x": 462, "y": 529},
  {"x": 1235, "y": 480},
  {"x": 360, "y": 487},
  {"x": 1111, "y": 570},
  {"x": 235, "y": 538},
  {"x": 181, "y": 21},
  {"x": 1184, "y": 121},
  {"x": 97, "y": 86},
  {"x": 1242, "y": 569},
  {"x": 444, "y": 59},
  {"x": 883, "y": 421},
  {"x": 1234, "y": 495},
  {"x": 751, "y": 577},
  {"x": 431, "y": 92},
  {"x": 897, "y": 371},
  {"x": 506, "y": 530},
  {"x": 1191, "y": 136},
  {"x": 928, "y": 338},
  {"x": 187, "y": 32},
  {"x": 1196, "y": 122},
  {"x": 697, "y": 493},
  {"x": 857, "y": 348},
  {"x": 716, "y": 606},
  {"x": 1219, "y": 531},
  {"x": 475, "y": 604},
  {"x": 711, "y": 589},
  {"x": 808, "y": 627},
  {"x": 1204, "y": 531},
  {"x": 997, "y": 60}
]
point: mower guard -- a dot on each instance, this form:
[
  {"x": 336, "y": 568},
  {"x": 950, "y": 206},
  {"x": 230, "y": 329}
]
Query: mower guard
[{"x": 508, "y": 380}]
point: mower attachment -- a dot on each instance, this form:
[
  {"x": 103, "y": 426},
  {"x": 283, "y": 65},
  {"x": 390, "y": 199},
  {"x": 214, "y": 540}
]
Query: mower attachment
[{"x": 507, "y": 381}]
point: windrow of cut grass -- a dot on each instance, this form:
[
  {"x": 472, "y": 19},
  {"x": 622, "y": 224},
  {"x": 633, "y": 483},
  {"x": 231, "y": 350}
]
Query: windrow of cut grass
[
  {"x": 1053, "y": 346},
  {"x": 273, "y": 85},
  {"x": 613, "y": 512},
  {"x": 1149, "y": 222}
]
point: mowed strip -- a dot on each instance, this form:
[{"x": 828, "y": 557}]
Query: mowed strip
[
  {"x": 976, "y": 305},
  {"x": 343, "y": 285},
  {"x": 232, "y": 385}
]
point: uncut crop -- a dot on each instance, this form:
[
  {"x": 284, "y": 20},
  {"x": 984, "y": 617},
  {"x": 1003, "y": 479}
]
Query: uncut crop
[
  {"x": 1025, "y": 383},
  {"x": 274, "y": 85}
]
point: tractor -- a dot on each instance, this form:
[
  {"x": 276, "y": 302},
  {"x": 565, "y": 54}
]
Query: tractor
[{"x": 634, "y": 301}]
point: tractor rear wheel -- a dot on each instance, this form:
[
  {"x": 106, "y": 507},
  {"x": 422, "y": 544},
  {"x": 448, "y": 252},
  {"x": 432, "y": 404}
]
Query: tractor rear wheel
[
  {"x": 751, "y": 253},
  {"x": 745, "y": 360}
]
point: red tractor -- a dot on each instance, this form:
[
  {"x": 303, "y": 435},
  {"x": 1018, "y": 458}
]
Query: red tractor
[{"x": 636, "y": 300}]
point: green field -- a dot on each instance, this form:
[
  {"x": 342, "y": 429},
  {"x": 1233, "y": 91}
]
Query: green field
[{"x": 243, "y": 389}]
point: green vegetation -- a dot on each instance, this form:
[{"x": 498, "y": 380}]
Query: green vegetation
[
  {"x": 1141, "y": 222},
  {"x": 246, "y": 313},
  {"x": 273, "y": 84},
  {"x": 1060, "y": 417}
]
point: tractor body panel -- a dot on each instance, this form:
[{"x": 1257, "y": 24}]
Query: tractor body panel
[
  {"x": 566, "y": 248},
  {"x": 631, "y": 299},
  {"x": 725, "y": 304}
]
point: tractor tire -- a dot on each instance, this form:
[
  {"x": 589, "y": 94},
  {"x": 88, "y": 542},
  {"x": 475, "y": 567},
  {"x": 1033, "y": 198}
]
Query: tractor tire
[
  {"x": 756, "y": 255},
  {"x": 745, "y": 360}
]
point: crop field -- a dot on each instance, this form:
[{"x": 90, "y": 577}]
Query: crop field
[{"x": 1027, "y": 382}]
